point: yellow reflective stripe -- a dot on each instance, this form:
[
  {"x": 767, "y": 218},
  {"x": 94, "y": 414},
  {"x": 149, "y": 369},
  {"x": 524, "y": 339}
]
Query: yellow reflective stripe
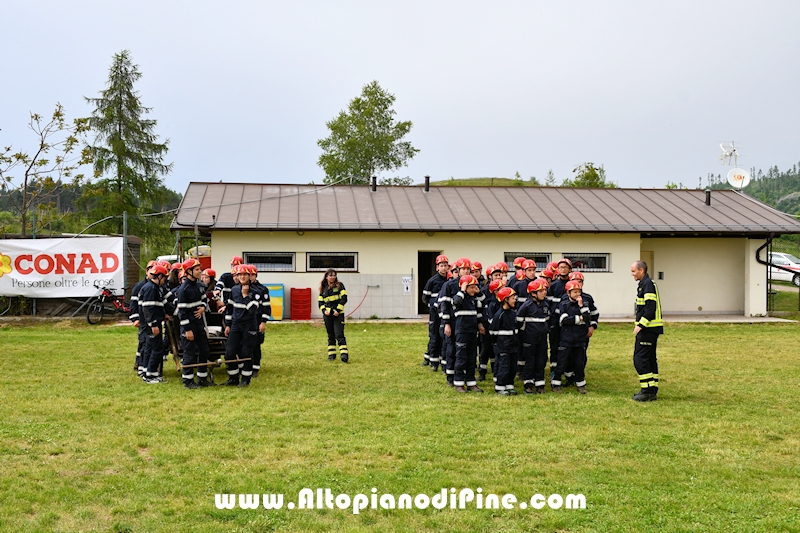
[
  {"x": 340, "y": 307},
  {"x": 343, "y": 292},
  {"x": 650, "y": 296},
  {"x": 645, "y": 376},
  {"x": 644, "y": 322},
  {"x": 639, "y": 301}
]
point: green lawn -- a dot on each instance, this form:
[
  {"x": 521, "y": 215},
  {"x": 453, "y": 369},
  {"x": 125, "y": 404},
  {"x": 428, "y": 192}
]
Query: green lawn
[{"x": 86, "y": 446}]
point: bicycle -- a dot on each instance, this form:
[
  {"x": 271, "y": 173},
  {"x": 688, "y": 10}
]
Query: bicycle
[{"x": 97, "y": 307}]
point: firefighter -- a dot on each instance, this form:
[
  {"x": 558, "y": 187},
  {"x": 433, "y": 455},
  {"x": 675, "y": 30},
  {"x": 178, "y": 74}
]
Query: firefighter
[
  {"x": 649, "y": 326},
  {"x": 520, "y": 287},
  {"x": 227, "y": 280},
  {"x": 152, "y": 311},
  {"x": 430, "y": 297},
  {"x": 505, "y": 335},
  {"x": 208, "y": 279},
  {"x": 533, "y": 319},
  {"x": 554, "y": 294},
  {"x": 574, "y": 319},
  {"x": 468, "y": 311},
  {"x": 139, "y": 365},
  {"x": 477, "y": 271},
  {"x": 191, "y": 304},
  {"x": 332, "y": 298},
  {"x": 266, "y": 314},
  {"x": 490, "y": 307},
  {"x": 448, "y": 319},
  {"x": 241, "y": 328}
]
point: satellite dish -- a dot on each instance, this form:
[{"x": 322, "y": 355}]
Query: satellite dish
[{"x": 738, "y": 178}]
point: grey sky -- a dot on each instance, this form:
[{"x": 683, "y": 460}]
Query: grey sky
[{"x": 243, "y": 89}]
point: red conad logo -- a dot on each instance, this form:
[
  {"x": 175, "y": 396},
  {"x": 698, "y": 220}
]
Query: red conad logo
[{"x": 65, "y": 264}]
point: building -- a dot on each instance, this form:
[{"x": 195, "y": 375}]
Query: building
[{"x": 703, "y": 247}]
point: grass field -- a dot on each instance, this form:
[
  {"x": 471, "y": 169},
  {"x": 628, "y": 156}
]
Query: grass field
[{"x": 86, "y": 446}]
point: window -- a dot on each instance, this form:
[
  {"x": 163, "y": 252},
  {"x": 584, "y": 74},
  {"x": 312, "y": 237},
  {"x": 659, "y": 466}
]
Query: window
[
  {"x": 271, "y": 261},
  {"x": 590, "y": 262},
  {"x": 541, "y": 258},
  {"x": 339, "y": 261}
]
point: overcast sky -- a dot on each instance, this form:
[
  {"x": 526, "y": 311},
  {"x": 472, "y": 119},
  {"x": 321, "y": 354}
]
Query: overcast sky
[{"x": 243, "y": 89}]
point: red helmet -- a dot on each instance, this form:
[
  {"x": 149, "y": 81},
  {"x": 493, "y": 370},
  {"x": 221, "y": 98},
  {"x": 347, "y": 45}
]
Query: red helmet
[
  {"x": 469, "y": 280},
  {"x": 503, "y": 266},
  {"x": 165, "y": 264},
  {"x": 463, "y": 263},
  {"x": 159, "y": 270},
  {"x": 251, "y": 269},
  {"x": 235, "y": 269},
  {"x": 495, "y": 285},
  {"x": 504, "y": 293},
  {"x": 537, "y": 285},
  {"x": 176, "y": 266},
  {"x": 476, "y": 265},
  {"x": 552, "y": 265},
  {"x": 236, "y": 260},
  {"x": 575, "y": 275},
  {"x": 150, "y": 264},
  {"x": 528, "y": 263},
  {"x": 490, "y": 270},
  {"x": 190, "y": 264},
  {"x": 518, "y": 262},
  {"x": 548, "y": 273},
  {"x": 210, "y": 272},
  {"x": 574, "y": 284},
  {"x": 441, "y": 259},
  {"x": 567, "y": 261}
]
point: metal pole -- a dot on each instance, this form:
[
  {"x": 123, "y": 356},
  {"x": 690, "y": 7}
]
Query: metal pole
[
  {"x": 124, "y": 251},
  {"x": 33, "y": 222}
]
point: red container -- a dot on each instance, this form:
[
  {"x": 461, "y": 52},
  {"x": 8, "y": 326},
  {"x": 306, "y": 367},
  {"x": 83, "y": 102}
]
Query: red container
[{"x": 301, "y": 304}]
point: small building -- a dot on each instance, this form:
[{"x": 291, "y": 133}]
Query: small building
[{"x": 704, "y": 248}]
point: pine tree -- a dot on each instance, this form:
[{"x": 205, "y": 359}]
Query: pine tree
[{"x": 128, "y": 159}]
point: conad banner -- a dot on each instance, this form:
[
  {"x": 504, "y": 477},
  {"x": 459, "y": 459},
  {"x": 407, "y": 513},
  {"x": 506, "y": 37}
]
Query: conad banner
[{"x": 58, "y": 268}]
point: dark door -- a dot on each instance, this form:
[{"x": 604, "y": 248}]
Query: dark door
[{"x": 426, "y": 268}]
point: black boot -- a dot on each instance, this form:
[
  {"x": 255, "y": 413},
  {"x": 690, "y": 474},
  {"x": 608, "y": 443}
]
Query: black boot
[
  {"x": 233, "y": 381},
  {"x": 425, "y": 361},
  {"x": 245, "y": 383},
  {"x": 190, "y": 385},
  {"x": 644, "y": 395},
  {"x": 344, "y": 354},
  {"x": 206, "y": 383},
  {"x": 434, "y": 367}
]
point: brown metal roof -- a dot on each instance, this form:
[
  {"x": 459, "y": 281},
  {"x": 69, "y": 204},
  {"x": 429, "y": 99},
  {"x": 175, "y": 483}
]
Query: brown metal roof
[{"x": 344, "y": 207}]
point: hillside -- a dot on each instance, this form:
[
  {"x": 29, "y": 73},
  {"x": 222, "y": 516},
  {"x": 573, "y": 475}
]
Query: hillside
[{"x": 483, "y": 182}]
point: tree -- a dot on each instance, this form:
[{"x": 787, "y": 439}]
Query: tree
[
  {"x": 41, "y": 170},
  {"x": 126, "y": 148},
  {"x": 588, "y": 175},
  {"x": 365, "y": 139},
  {"x": 551, "y": 179}
]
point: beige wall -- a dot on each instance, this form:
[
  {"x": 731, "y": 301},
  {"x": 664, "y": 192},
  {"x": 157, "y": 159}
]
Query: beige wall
[
  {"x": 708, "y": 276},
  {"x": 385, "y": 257}
]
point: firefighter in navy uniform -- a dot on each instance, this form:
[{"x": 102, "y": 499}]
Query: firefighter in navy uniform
[
  {"x": 430, "y": 297},
  {"x": 242, "y": 317},
  {"x": 533, "y": 318},
  {"x": 574, "y": 319},
  {"x": 152, "y": 314},
  {"x": 134, "y": 317},
  {"x": 191, "y": 304},
  {"x": 266, "y": 313},
  {"x": 448, "y": 323},
  {"x": 468, "y": 310},
  {"x": 505, "y": 335},
  {"x": 332, "y": 297},
  {"x": 554, "y": 294},
  {"x": 649, "y": 326}
]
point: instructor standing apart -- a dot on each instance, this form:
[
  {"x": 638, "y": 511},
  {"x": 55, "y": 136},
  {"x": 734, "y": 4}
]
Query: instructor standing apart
[
  {"x": 332, "y": 297},
  {"x": 648, "y": 327}
]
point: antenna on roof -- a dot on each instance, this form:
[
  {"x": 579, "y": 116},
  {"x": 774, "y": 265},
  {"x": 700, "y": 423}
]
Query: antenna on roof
[{"x": 737, "y": 177}]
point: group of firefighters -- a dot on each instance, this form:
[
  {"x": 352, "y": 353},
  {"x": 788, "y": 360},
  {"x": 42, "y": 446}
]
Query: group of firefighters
[
  {"x": 501, "y": 321},
  {"x": 505, "y": 322},
  {"x": 183, "y": 293}
]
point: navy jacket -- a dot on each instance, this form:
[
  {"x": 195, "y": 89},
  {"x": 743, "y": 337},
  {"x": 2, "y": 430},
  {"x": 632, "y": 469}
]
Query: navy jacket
[{"x": 504, "y": 332}]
